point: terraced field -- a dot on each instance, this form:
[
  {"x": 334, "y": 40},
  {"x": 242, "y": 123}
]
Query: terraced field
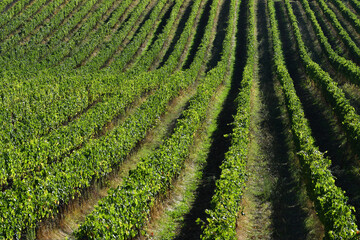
[{"x": 179, "y": 119}]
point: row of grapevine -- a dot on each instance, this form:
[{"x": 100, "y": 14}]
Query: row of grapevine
[
  {"x": 35, "y": 22},
  {"x": 13, "y": 11},
  {"x": 130, "y": 49},
  {"x": 130, "y": 215},
  {"x": 40, "y": 195},
  {"x": 29, "y": 154},
  {"x": 39, "y": 51},
  {"x": 330, "y": 201},
  {"x": 187, "y": 34},
  {"x": 348, "y": 67},
  {"x": 355, "y": 4},
  {"x": 72, "y": 135},
  {"x": 33, "y": 100},
  {"x": 4, "y": 4},
  {"x": 354, "y": 50},
  {"x": 77, "y": 98},
  {"x": 58, "y": 182},
  {"x": 54, "y": 50},
  {"x": 35, "y": 94},
  {"x": 67, "y": 167},
  {"x": 172, "y": 63},
  {"x": 76, "y": 132},
  {"x": 77, "y": 46},
  {"x": 108, "y": 48},
  {"x": 41, "y": 104},
  {"x": 145, "y": 61},
  {"x": 29, "y": 18},
  {"x": 97, "y": 38},
  {"x": 352, "y": 17},
  {"x": 124, "y": 212},
  {"x": 55, "y": 22},
  {"x": 137, "y": 42},
  {"x": 226, "y": 202},
  {"x": 65, "y": 48},
  {"x": 56, "y": 40},
  {"x": 345, "y": 112}
]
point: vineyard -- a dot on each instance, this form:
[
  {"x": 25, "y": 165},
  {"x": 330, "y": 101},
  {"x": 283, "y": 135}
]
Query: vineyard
[{"x": 179, "y": 119}]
